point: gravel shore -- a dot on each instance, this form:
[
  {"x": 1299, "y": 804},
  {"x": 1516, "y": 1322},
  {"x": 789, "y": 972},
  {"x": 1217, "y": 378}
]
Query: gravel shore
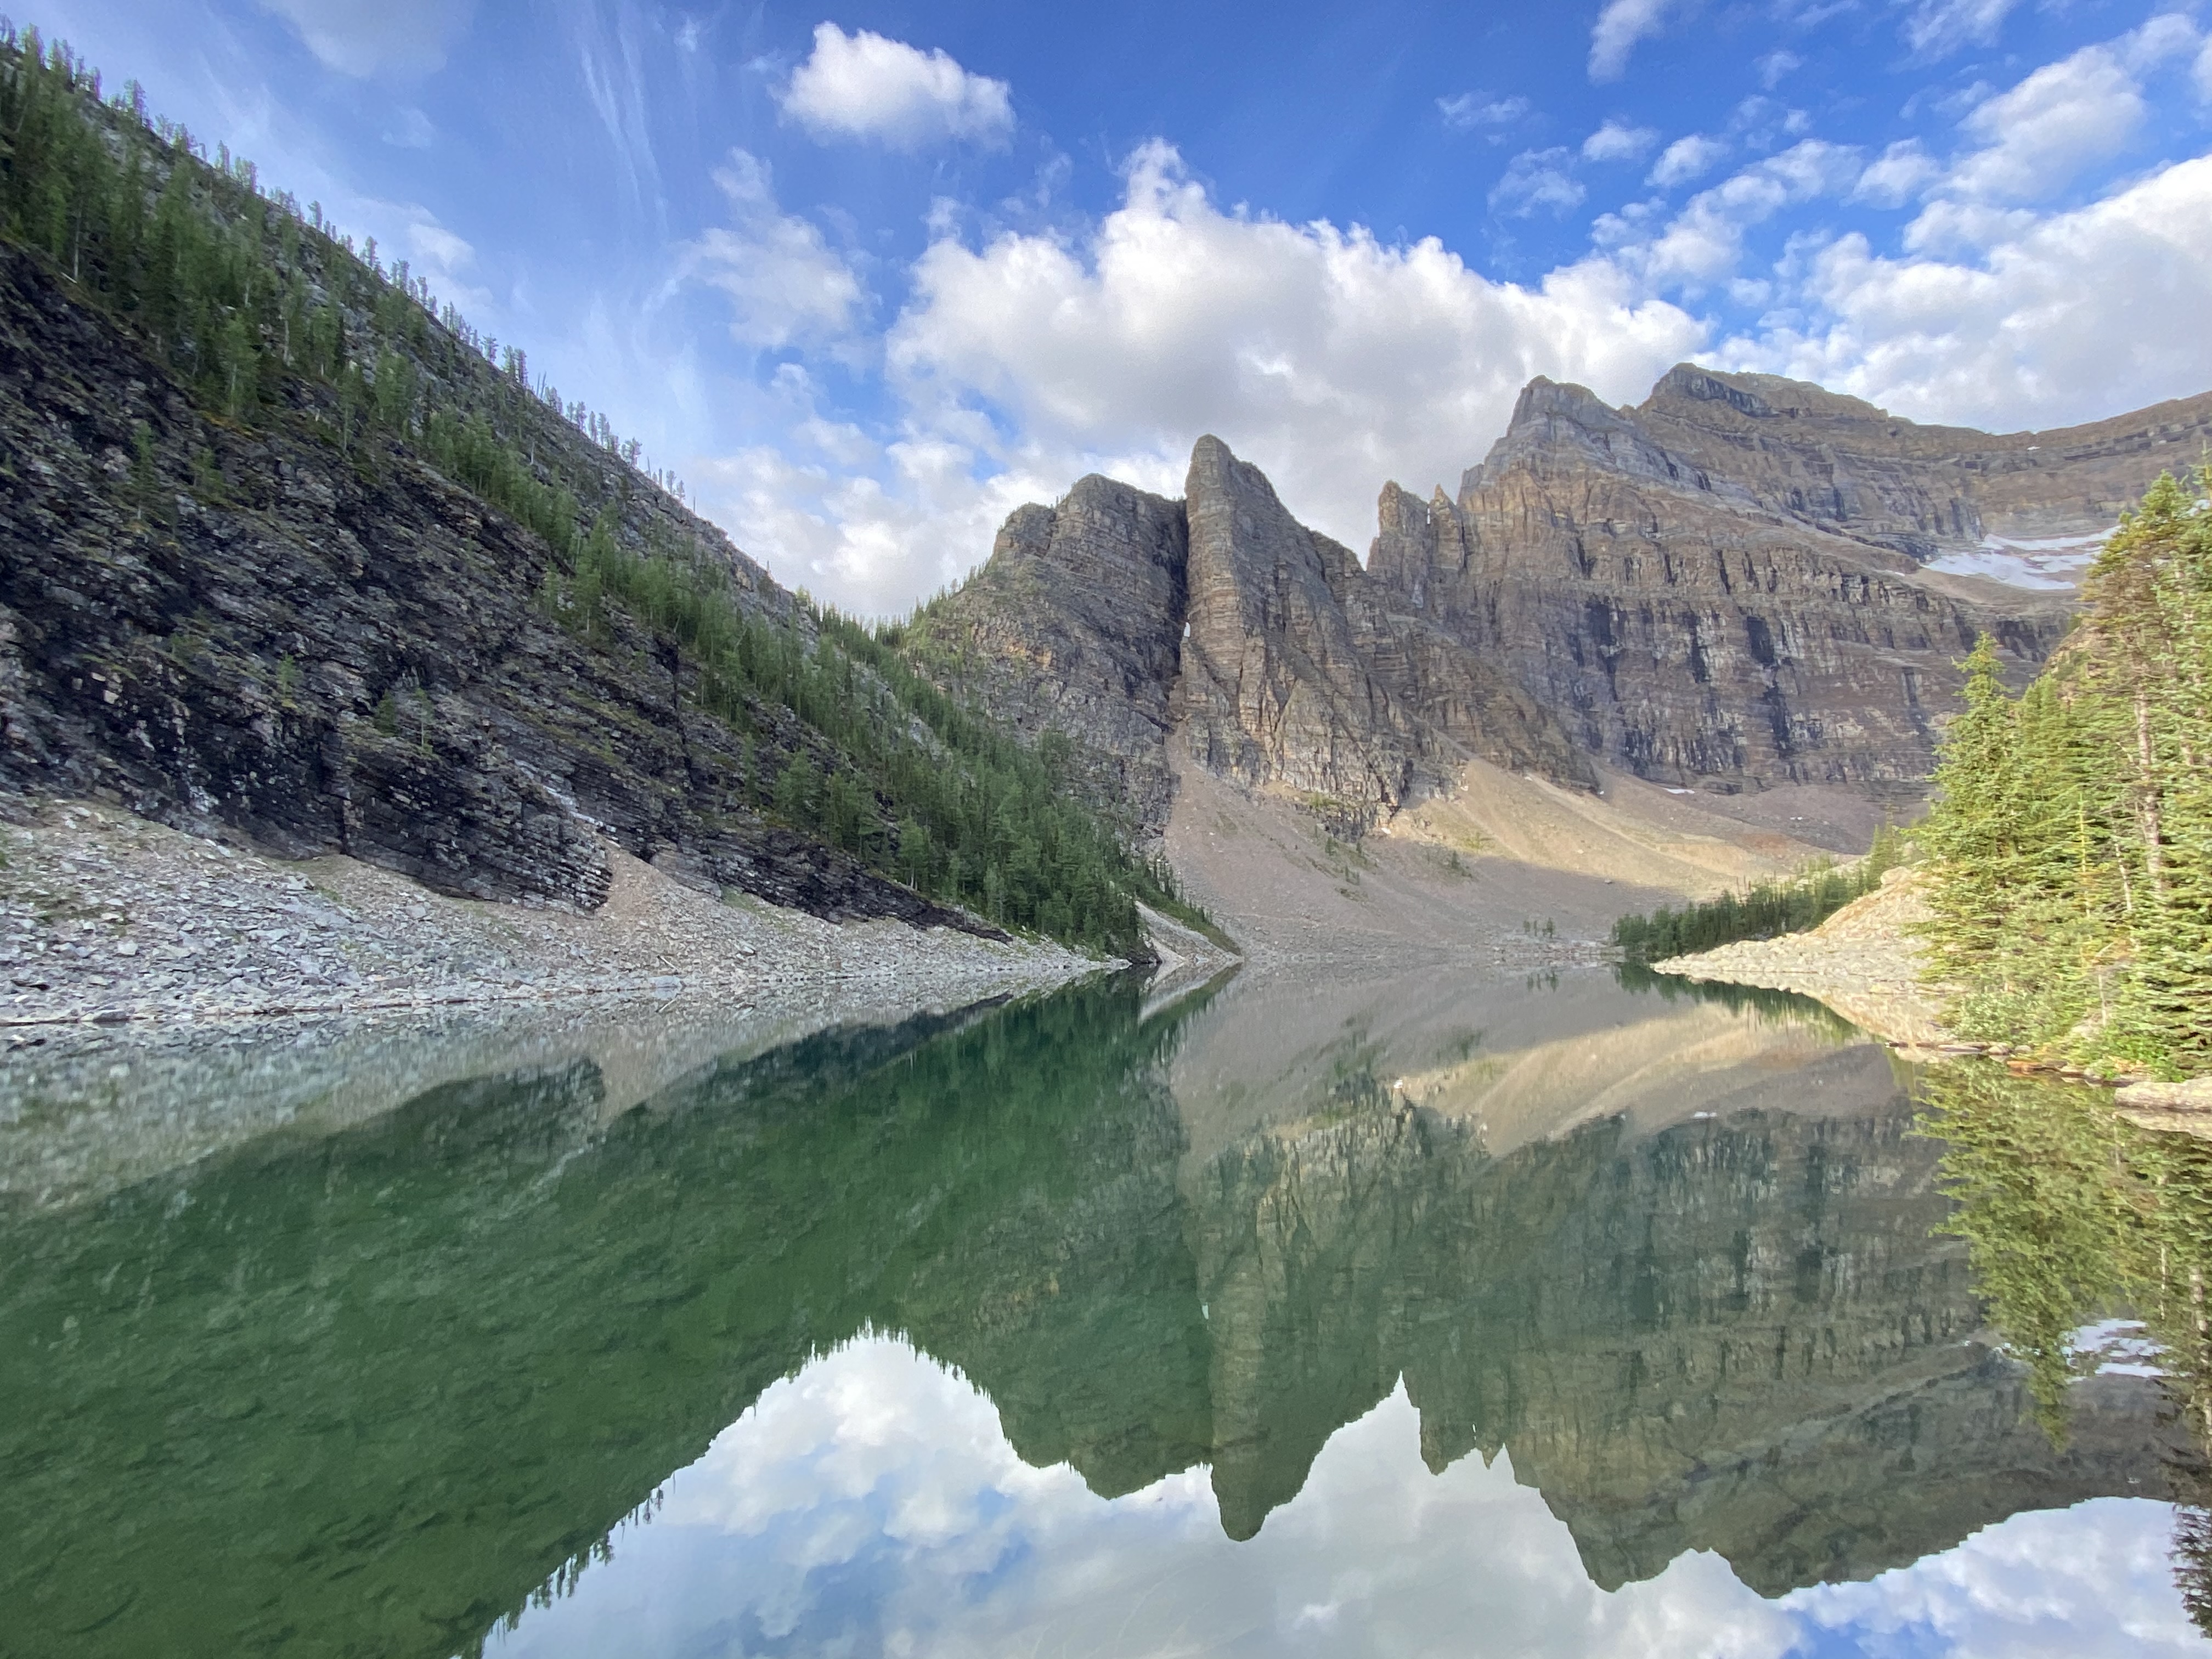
[
  {"x": 109, "y": 918},
  {"x": 1863, "y": 962}
]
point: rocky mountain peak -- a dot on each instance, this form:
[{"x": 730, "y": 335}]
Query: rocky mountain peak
[{"x": 1222, "y": 624}]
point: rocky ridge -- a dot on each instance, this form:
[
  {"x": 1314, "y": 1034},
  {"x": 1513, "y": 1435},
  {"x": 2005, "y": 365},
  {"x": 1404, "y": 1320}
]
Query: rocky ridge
[
  {"x": 334, "y": 652},
  {"x": 1727, "y": 585},
  {"x": 1221, "y": 626}
]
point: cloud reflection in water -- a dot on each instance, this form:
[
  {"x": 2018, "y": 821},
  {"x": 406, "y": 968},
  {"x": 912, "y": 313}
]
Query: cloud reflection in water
[{"x": 870, "y": 1505}]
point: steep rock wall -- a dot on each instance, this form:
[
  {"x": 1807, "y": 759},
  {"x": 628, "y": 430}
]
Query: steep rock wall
[
  {"x": 1679, "y": 625},
  {"x": 333, "y": 652}
]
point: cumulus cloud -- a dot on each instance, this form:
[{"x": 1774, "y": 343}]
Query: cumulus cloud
[
  {"x": 2052, "y": 319},
  {"x": 786, "y": 284},
  {"x": 865, "y": 86},
  {"x": 1332, "y": 359},
  {"x": 2037, "y": 137},
  {"x": 1686, "y": 159},
  {"x": 1620, "y": 27},
  {"x": 1617, "y": 141},
  {"x": 374, "y": 37},
  {"x": 1935, "y": 27},
  {"x": 1897, "y": 175},
  {"x": 1537, "y": 181},
  {"x": 1466, "y": 111}
]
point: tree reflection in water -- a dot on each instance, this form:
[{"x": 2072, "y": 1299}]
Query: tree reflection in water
[{"x": 2071, "y": 1216}]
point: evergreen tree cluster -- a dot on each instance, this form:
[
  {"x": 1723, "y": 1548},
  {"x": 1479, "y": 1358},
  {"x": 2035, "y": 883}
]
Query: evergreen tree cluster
[
  {"x": 2071, "y": 843},
  {"x": 266, "y": 315},
  {"x": 899, "y": 774},
  {"x": 1767, "y": 908}
]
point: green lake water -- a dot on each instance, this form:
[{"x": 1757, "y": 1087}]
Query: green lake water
[{"x": 1557, "y": 1316}]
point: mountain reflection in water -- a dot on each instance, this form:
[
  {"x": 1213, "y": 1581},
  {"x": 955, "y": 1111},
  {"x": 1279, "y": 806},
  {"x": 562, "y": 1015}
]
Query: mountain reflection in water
[{"x": 1263, "y": 1267}]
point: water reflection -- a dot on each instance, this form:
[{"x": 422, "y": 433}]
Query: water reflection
[
  {"x": 374, "y": 1391},
  {"x": 870, "y": 1504}
]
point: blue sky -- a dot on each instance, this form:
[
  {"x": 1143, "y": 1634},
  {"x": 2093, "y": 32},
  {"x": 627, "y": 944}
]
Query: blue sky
[{"x": 868, "y": 278}]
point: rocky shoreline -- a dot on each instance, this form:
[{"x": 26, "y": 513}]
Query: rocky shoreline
[
  {"x": 110, "y": 919},
  {"x": 1864, "y": 962}
]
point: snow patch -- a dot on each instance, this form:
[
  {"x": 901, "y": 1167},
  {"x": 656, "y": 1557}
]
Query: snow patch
[{"x": 2053, "y": 561}]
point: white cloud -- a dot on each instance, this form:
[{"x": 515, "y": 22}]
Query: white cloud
[
  {"x": 1332, "y": 359},
  {"x": 1776, "y": 64},
  {"x": 864, "y": 86},
  {"x": 2053, "y": 319},
  {"x": 1704, "y": 244},
  {"x": 1903, "y": 170},
  {"x": 1616, "y": 140},
  {"x": 371, "y": 37},
  {"x": 2039, "y": 137},
  {"x": 1686, "y": 159},
  {"x": 1620, "y": 28},
  {"x": 1465, "y": 111},
  {"x": 1537, "y": 181},
  {"x": 786, "y": 284},
  {"x": 1935, "y": 27}
]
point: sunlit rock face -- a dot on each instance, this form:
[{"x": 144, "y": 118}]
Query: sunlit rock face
[
  {"x": 1132, "y": 623},
  {"x": 1726, "y": 585}
]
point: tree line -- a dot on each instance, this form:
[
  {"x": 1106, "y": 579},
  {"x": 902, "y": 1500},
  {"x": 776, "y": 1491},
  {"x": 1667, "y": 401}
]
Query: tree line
[
  {"x": 264, "y": 313},
  {"x": 2070, "y": 846},
  {"x": 1766, "y": 909}
]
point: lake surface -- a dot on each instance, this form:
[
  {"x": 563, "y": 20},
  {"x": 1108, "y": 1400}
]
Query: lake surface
[{"x": 1417, "y": 1317}]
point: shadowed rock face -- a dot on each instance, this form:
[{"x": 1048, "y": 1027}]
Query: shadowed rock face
[
  {"x": 1130, "y": 622},
  {"x": 1076, "y": 624},
  {"x": 345, "y": 653},
  {"x": 1725, "y": 584}
]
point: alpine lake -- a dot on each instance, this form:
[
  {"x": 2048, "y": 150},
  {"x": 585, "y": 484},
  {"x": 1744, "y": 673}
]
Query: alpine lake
[{"x": 1572, "y": 1316}]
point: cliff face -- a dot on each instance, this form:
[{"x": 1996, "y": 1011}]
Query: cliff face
[
  {"x": 1132, "y": 623},
  {"x": 342, "y": 652},
  {"x": 1076, "y": 624},
  {"x": 1726, "y": 583}
]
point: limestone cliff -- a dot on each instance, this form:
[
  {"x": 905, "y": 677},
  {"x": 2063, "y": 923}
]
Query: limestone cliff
[
  {"x": 336, "y": 648},
  {"x": 1130, "y": 623},
  {"x": 1727, "y": 584}
]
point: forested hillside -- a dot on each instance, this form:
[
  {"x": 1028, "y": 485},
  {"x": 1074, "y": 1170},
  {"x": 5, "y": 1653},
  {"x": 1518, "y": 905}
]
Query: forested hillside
[
  {"x": 292, "y": 550},
  {"x": 2072, "y": 841}
]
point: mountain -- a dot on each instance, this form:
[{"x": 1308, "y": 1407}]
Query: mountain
[
  {"x": 1130, "y": 623},
  {"x": 1743, "y": 583},
  {"x": 285, "y": 553},
  {"x": 1739, "y": 582}
]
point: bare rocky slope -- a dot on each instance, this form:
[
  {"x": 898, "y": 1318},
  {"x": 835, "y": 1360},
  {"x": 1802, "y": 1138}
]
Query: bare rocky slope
[
  {"x": 1735, "y": 586},
  {"x": 1727, "y": 585},
  {"x": 329, "y": 651},
  {"x": 1221, "y": 626}
]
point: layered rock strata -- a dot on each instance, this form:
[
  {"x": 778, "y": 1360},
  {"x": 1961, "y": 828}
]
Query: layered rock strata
[
  {"x": 335, "y": 652},
  {"x": 1726, "y": 585},
  {"x": 1129, "y": 623}
]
